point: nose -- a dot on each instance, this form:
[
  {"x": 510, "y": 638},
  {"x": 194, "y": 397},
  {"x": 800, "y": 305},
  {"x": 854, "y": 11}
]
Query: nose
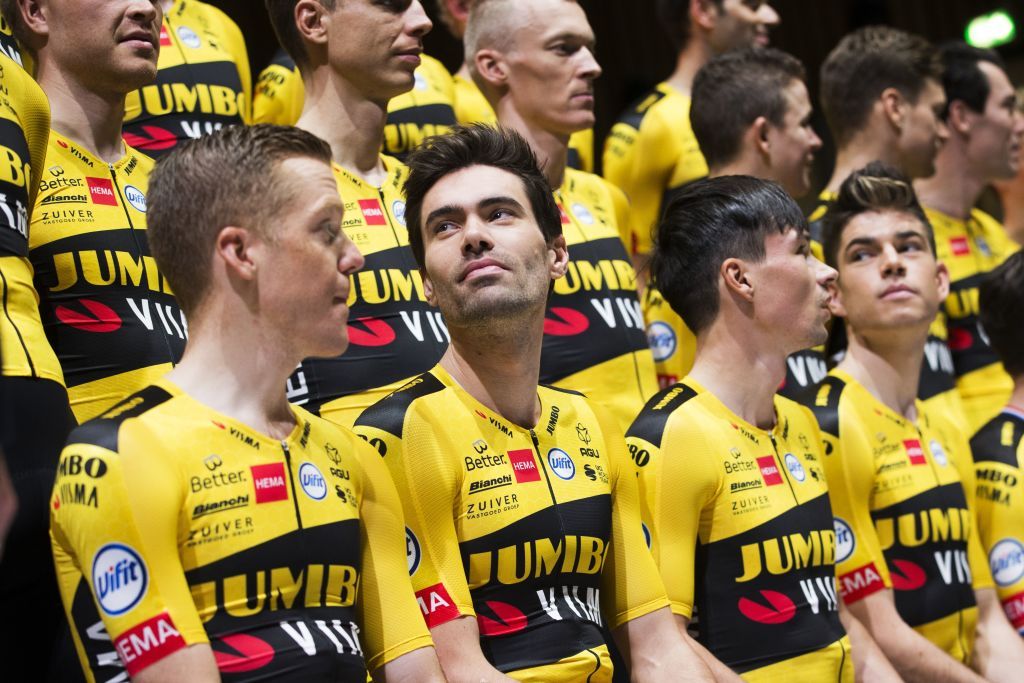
[
  {"x": 816, "y": 142},
  {"x": 1018, "y": 122},
  {"x": 589, "y": 68},
  {"x": 825, "y": 274},
  {"x": 416, "y": 20},
  {"x": 941, "y": 131},
  {"x": 476, "y": 236},
  {"x": 351, "y": 259},
  {"x": 767, "y": 15},
  {"x": 145, "y": 11},
  {"x": 891, "y": 262}
]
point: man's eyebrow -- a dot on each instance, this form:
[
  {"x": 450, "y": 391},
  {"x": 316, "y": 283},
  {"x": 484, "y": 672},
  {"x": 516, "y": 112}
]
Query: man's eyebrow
[
  {"x": 907, "y": 234},
  {"x": 446, "y": 210},
  {"x": 492, "y": 201},
  {"x": 860, "y": 242}
]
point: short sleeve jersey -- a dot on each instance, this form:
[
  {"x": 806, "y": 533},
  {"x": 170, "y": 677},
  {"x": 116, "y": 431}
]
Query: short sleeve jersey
[
  {"x": 650, "y": 152},
  {"x": 394, "y": 334},
  {"x": 998, "y": 450},
  {"x": 534, "y": 532},
  {"x": 173, "y": 524},
  {"x": 740, "y": 526},
  {"x": 203, "y": 81},
  {"x": 902, "y": 495},
  {"x": 108, "y": 313},
  {"x": 672, "y": 343},
  {"x": 594, "y": 339}
]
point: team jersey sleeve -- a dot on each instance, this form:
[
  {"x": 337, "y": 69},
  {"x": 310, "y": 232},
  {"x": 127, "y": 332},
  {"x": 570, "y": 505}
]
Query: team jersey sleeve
[
  {"x": 390, "y": 618},
  {"x": 114, "y": 530},
  {"x": 279, "y": 96},
  {"x": 631, "y": 586},
  {"x": 672, "y": 343},
  {"x": 638, "y": 162},
  {"x": 235, "y": 44},
  {"x": 980, "y": 574}
]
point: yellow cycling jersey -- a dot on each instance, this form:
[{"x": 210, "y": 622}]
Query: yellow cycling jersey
[
  {"x": 413, "y": 116},
  {"x": 24, "y": 130},
  {"x": 394, "y": 334},
  {"x": 202, "y": 83},
  {"x": 472, "y": 107},
  {"x": 651, "y": 152},
  {"x": 173, "y": 524},
  {"x": 108, "y": 313},
  {"x": 738, "y": 520},
  {"x": 672, "y": 343},
  {"x": 903, "y": 499},
  {"x": 970, "y": 249},
  {"x": 998, "y": 450},
  {"x": 594, "y": 339},
  {"x": 534, "y": 532}
]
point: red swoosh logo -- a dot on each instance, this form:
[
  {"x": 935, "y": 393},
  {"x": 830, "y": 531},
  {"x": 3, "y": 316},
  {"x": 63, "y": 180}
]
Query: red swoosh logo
[
  {"x": 512, "y": 619},
  {"x": 159, "y": 138},
  {"x": 252, "y": 653},
  {"x": 960, "y": 339},
  {"x": 907, "y": 575},
  {"x": 565, "y": 322},
  {"x": 377, "y": 333},
  {"x": 103, "y": 319},
  {"x": 780, "y": 611}
]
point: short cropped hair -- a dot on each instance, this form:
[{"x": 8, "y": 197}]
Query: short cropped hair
[
  {"x": 709, "y": 221},
  {"x": 282, "y": 18},
  {"x": 863, "y": 65},
  {"x": 491, "y": 24},
  {"x": 675, "y": 19},
  {"x": 961, "y": 77},
  {"x": 229, "y": 177},
  {"x": 732, "y": 90},
  {"x": 1001, "y": 302},
  {"x": 476, "y": 145}
]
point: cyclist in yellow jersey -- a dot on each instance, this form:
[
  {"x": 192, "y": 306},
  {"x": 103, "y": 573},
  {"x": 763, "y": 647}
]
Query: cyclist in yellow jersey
[
  {"x": 985, "y": 132},
  {"x": 998, "y": 447},
  {"x": 204, "y": 529},
  {"x": 902, "y": 483},
  {"x": 523, "y": 549},
  {"x": 202, "y": 83},
  {"x": 594, "y": 339},
  {"x": 651, "y": 150},
  {"x": 732, "y": 476},
  {"x": 413, "y": 116}
]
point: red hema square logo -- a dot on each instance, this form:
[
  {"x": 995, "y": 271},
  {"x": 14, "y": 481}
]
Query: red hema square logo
[
  {"x": 960, "y": 246},
  {"x": 165, "y": 38},
  {"x": 148, "y": 642},
  {"x": 524, "y": 465},
  {"x": 914, "y": 451},
  {"x": 269, "y": 482},
  {"x": 769, "y": 470},
  {"x": 437, "y": 605},
  {"x": 372, "y": 213},
  {"x": 102, "y": 191}
]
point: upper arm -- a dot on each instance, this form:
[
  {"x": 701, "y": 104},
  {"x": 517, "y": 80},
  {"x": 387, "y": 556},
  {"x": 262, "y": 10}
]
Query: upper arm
[{"x": 235, "y": 44}]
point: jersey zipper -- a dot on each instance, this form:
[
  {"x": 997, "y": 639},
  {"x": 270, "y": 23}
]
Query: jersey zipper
[
  {"x": 782, "y": 467},
  {"x": 387, "y": 214},
  {"x": 291, "y": 478},
  {"x": 931, "y": 460},
  {"x": 547, "y": 479}
]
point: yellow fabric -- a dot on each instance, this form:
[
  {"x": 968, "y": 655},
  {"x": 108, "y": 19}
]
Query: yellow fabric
[
  {"x": 536, "y": 532},
  {"x": 108, "y": 313},
  {"x": 651, "y": 150},
  {"x": 228, "y": 537},
  {"x": 741, "y": 529},
  {"x": 903, "y": 498},
  {"x": 672, "y": 343}
]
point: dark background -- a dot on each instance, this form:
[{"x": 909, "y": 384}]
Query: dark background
[{"x": 635, "y": 54}]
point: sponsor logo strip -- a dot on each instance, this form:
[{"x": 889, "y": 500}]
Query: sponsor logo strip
[
  {"x": 148, "y": 643},
  {"x": 437, "y": 605},
  {"x": 860, "y": 583}
]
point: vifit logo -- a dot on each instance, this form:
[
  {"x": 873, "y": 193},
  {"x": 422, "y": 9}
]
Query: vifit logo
[
  {"x": 769, "y": 470},
  {"x": 102, "y": 191},
  {"x": 845, "y": 540},
  {"x": 373, "y": 214},
  {"x": 312, "y": 481},
  {"x": 412, "y": 551},
  {"x": 269, "y": 482},
  {"x": 561, "y": 464},
  {"x": 524, "y": 466},
  {"x": 119, "y": 578},
  {"x": 1007, "y": 561},
  {"x": 914, "y": 451}
]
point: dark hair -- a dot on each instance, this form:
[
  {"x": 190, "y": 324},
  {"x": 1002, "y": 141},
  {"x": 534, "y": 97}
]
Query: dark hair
[
  {"x": 709, "y": 221},
  {"x": 876, "y": 187},
  {"x": 10, "y": 13},
  {"x": 226, "y": 178},
  {"x": 1001, "y": 302},
  {"x": 282, "y": 18},
  {"x": 675, "y": 19},
  {"x": 476, "y": 145},
  {"x": 961, "y": 77},
  {"x": 863, "y": 65},
  {"x": 732, "y": 90}
]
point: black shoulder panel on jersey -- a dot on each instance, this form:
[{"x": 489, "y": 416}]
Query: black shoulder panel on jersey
[
  {"x": 103, "y": 431},
  {"x": 564, "y": 390},
  {"x": 281, "y": 58},
  {"x": 634, "y": 114},
  {"x": 823, "y": 400},
  {"x": 998, "y": 440},
  {"x": 650, "y": 423},
  {"x": 388, "y": 414}
]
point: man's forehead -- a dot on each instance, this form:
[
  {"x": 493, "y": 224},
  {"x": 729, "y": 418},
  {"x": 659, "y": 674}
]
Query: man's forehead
[
  {"x": 881, "y": 225},
  {"x": 549, "y": 18},
  {"x": 471, "y": 185}
]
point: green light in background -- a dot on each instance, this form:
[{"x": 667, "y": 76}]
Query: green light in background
[{"x": 990, "y": 30}]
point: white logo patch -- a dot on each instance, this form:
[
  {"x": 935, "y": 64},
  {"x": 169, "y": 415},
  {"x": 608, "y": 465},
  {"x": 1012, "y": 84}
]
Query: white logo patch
[{"x": 119, "y": 578}]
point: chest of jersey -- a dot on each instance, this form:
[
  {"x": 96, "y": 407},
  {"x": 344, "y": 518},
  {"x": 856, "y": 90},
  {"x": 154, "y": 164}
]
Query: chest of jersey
[
  {"x": 15, "y": 177},
  {"x": 425, "y": 110}
]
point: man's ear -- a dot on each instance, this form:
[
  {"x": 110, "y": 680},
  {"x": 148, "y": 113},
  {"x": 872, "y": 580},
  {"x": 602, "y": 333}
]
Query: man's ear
[
  {"x": 703, "y": 13},
  {"x": 959, "y": 118},
  {"x": 491, "y": 67},
  {"x": 311, "y": 21},
  {"x": 559, "y": 253},
  {"x": 894, "y": 107},
  {"x": 942, "y": 280},
  {"x": 835, "y": 302},
  {"x": 34, "y": 16},
  {"x": 428, "y": 288},
  {"x": 759, "y": 132},
  {"x": 736, "y": 276},
  {"x": 234, "y": 248}
]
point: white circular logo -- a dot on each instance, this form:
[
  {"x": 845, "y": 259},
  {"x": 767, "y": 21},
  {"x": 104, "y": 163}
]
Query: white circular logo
[
  {"x": 189, "y": 37},
  {"x": 938, "y": 454},
  {"x": 794, "y": 467},
  {"x": 662, "y": 340},
  {"x": 1007, "y": 561},
  {"x": 312, "y": 482},
  {"x": 119, "y": 578},
  {"x": 845, "y": 542},
  {"x": 420, "y": 81},
  {"x": 647, "y": 534},
  {"x": 398, "y": 209},
  {"x": 582, "y": 214},
  {"x": 135, "y": 198},
  {"x": 412, "y": 551},
  {"x": 561, "y": 464}
]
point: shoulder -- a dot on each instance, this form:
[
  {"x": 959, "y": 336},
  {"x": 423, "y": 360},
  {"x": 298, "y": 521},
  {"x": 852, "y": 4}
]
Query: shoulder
[
  {"x": 104, "y": 431},
  {"x": 434, "y": 70},
  {"x": 999, "y": 440},
  {"x": 652, "y": 421},
  {"x": 647, "y": 108},
  {"x": 823, "y": 401},
  {"x": 389, "y": 414}
]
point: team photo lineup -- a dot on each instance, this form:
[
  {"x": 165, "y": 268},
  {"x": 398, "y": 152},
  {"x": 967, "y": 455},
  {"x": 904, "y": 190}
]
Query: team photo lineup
[{"x": 358, "y": 367}]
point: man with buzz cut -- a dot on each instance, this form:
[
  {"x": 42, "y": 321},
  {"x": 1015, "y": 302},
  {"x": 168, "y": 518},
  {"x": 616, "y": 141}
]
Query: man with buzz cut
[
  {"x": 910, "y": 565},
  {"x": 534, "y": 61},
  {"x": 225, "y": 534},
  {"x": 732, "y": 477},
  {"x": 524, "y": 535}
]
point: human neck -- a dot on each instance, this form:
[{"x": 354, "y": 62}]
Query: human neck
[
  {"x": 90, "y": 118},
  {"x": 500, "y": 372},
  {"x": 743, "y": 165},
  {"x": 954, "y": 189},
  {"x": 552, "y": 149},
  {"x": 350, "y": 123},
  {"x": 1017, "y": 397},
  {"x": 858, "y": 153},
  {"x": 888, "y": 366},
  {"x": 691, "y": 58}
]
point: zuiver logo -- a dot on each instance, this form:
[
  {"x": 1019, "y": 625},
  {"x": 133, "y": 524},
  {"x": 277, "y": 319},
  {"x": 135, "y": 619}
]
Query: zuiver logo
[{"x": 119, "y": 578}]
